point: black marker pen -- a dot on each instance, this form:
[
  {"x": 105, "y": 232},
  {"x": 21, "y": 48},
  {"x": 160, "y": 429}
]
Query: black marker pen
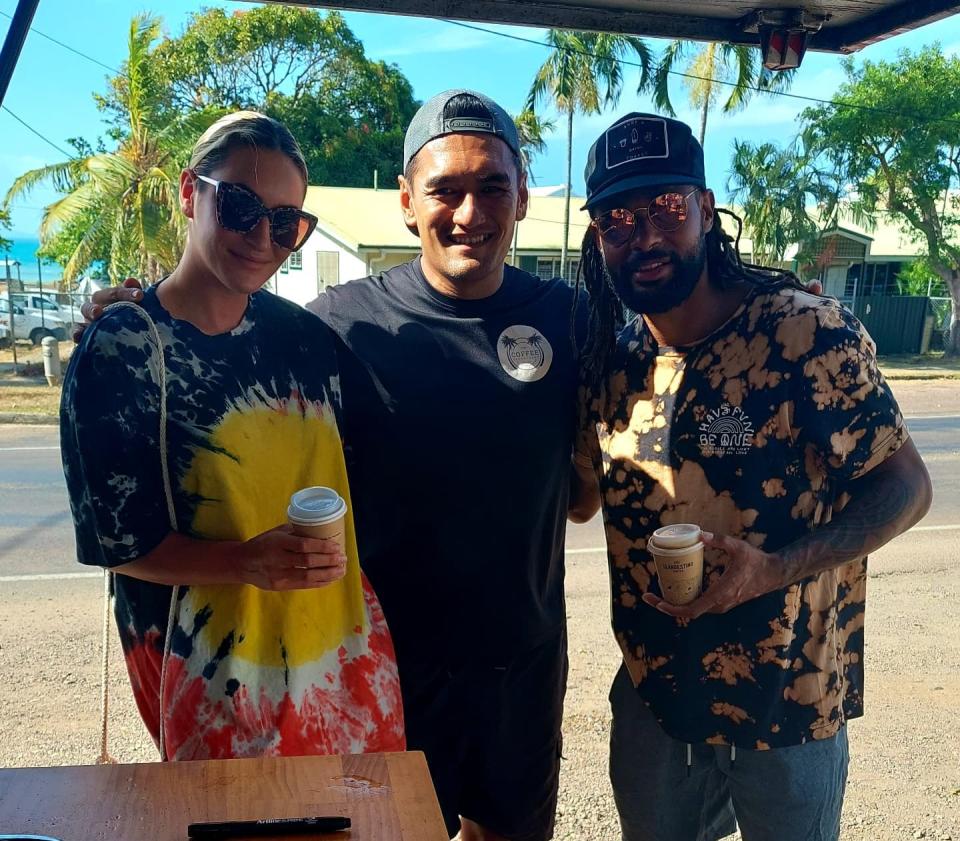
[{"x": 267, "y": 826}]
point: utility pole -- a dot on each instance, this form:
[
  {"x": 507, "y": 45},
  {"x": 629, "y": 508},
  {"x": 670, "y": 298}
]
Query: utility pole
[{"x": 13, "y": 43}]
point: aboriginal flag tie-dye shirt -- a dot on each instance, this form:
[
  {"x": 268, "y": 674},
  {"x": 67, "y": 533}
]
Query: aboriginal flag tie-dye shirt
[
  {"x": 755, "y": 432},
  {"x": 252, "y": 417}
]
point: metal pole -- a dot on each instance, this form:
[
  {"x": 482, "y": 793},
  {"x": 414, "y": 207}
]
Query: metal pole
[
  {"x": 13, "y": 43},
  {"x": 40, "y": 284},
  {"x": 13, "y": 334}
]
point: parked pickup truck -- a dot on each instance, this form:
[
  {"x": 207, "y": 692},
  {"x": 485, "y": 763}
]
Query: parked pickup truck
[{"x": 28, "y": 324}]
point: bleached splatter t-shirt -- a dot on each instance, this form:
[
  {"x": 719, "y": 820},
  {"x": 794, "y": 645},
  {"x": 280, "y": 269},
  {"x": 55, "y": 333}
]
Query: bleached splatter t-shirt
[
  {"x": 755, "y": 432},
  {"x": 252, "y": 417}
]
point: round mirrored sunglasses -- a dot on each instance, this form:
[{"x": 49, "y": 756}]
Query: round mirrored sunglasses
[{"x": 666, "y": 212}]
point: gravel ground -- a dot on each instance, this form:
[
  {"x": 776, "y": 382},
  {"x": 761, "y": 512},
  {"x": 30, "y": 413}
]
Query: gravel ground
[{"x": 905, "y": 771}]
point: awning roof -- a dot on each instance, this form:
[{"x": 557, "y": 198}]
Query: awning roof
[
  {"x": 849, "y": 25},
  {"x": 852, "y": 24}
]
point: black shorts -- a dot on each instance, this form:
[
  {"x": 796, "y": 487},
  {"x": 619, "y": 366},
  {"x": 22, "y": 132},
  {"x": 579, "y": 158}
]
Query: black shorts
[{"x": 491, "y": 735}]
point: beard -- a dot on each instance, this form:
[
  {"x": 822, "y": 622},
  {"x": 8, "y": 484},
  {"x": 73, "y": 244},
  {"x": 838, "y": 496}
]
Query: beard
[{"x": 667, "y": 294}]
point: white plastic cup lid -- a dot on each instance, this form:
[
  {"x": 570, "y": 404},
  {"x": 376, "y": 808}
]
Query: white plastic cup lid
[
  {"x": 677, "y": 536},
  {"x": 316, "y": 506}
]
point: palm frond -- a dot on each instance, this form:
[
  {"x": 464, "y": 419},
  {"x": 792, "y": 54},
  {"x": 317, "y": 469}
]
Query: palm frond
[
  {"x": 65, "y": 210},
  {"x": 84, "y": 254},
  {"x": 56, "y": 174},
  {"x": 744, "y": 59},
  {"x": 144, "y": 30},
  {"x": 659, "y": 84}
]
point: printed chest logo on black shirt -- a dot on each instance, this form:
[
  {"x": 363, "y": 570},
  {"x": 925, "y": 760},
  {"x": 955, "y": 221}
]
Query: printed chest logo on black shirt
[
  {"x": 524, "y": 353},
  {"x": 726, "y": 431}
]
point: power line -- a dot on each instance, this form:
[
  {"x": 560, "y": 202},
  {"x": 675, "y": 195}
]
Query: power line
[
  {"x": 68, "y": 47},
  {"x": 30, "y": 128},
  {"x": 622, "y": 61},
  {"x": 755, "y": 88}
]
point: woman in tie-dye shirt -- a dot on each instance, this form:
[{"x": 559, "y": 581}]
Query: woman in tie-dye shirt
[{"x": 262, "y": 642}]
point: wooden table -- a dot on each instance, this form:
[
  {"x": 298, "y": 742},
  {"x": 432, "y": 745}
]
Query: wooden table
[{"x": 389, "y": 797}]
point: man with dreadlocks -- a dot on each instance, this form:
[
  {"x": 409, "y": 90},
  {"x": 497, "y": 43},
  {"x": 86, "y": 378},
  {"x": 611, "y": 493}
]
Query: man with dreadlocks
[{"x": 738, "y": 401}]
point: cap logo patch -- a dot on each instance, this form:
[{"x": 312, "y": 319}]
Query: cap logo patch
[
  {"x": 636, "y": 139},
  {"x": 468, "y": 124}
]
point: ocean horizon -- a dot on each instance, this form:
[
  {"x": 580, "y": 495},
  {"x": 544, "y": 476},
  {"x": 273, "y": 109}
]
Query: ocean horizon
[{"x": 24, "y": 251}]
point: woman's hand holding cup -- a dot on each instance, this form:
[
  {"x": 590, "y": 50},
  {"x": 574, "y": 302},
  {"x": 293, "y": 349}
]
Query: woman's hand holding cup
[{"x": 281, "y": 560}]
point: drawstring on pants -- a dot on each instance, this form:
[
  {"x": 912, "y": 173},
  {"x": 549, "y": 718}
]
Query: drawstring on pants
[{"x": 733, "y": 757}]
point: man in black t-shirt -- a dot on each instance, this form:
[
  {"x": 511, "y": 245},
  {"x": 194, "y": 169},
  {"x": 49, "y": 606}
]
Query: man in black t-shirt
[{"x": 458, "y": 377}]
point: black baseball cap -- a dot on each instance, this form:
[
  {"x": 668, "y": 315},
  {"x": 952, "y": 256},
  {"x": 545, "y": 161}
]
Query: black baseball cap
[
  {"x": 642, "y": 150},
  {"x": 436, "y": 118}
]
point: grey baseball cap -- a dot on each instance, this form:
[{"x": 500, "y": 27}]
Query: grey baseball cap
[{"x": 436, "y": 118}]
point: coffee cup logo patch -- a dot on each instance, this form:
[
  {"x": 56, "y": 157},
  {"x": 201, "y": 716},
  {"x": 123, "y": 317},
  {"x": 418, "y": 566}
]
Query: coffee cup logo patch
[{"x": 524, "y": 353}]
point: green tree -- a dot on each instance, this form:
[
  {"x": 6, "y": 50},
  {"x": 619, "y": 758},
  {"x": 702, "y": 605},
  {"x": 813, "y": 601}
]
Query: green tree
[
  {"x": 918, "y": 277},
  {"x": 241, "y": 59},
  {"x": 129, "y": 196},
  {"x": 349, "y": 132},
  {"x": 714, "y": 73},
  {"x": 304, "y": 68},
  {"x": 900, "y": 154},
  {"x": 583, "y": 74},
  {"x": 781, "y": 192}
]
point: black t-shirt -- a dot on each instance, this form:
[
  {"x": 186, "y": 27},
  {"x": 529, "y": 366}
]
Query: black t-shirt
[{"x": 458, "y": 422}]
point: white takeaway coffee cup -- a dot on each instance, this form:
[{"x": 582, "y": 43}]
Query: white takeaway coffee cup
[
  {"x": 678, "y": 553},
  {"x": 318, "y": 512}
]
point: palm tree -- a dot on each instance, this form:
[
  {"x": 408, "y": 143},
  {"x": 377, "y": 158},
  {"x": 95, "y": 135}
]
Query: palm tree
[
  {"x": 531, "y": 131},
  {"x": 730, "y": 73},
  {"x": 583, "y": 73},
  {"x": 130, "y": 195},
  {"x": 784, "y": 196}
]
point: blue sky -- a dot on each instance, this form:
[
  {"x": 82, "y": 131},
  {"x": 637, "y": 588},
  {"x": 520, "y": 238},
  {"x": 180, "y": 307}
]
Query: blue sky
[{"x": 52, "y": 87}]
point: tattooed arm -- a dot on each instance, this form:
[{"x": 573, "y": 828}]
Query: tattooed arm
[{"x": 883, "y": 504}]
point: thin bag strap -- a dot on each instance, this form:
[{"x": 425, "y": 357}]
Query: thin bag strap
[{"x": 108, "y": 581}]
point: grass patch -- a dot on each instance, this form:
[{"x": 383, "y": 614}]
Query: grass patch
[{"x": 29, "y": 399}]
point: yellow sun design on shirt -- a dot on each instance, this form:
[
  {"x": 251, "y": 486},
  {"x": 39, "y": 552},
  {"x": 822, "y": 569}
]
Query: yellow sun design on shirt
[{"x": 244, "y": 475}]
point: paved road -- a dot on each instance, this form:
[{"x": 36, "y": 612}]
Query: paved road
[{"x": 36, "y": 535}]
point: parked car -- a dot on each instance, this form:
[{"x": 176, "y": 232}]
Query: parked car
[{"x": 28, "y": 324}]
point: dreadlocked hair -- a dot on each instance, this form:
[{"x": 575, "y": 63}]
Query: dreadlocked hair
[
  {"x": 727, "y": 268},
  {"x": 605, "y": 314}
]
